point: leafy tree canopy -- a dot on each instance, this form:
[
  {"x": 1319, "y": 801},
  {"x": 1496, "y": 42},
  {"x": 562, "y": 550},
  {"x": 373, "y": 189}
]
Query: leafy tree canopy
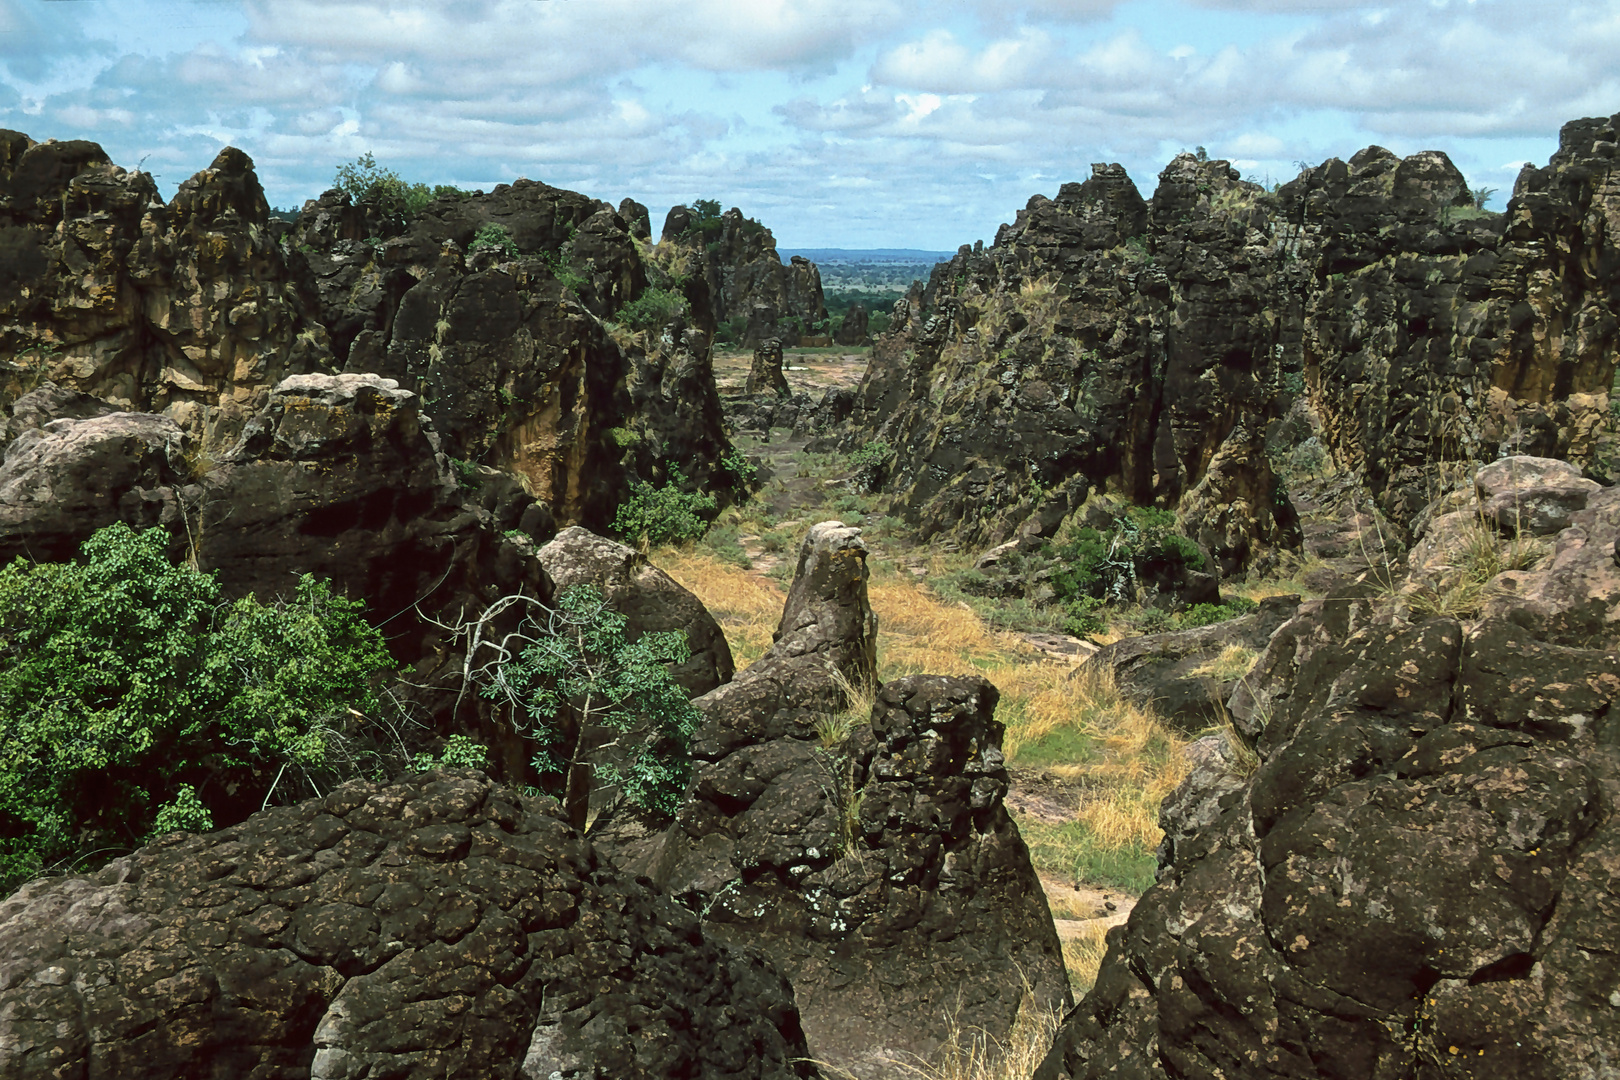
[{"x": 134, "y": 697}]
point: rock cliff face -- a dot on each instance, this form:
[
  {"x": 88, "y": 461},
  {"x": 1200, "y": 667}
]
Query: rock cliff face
[
  {"x": 1144, "y": 348},
  {"x": 1418, "y": 879},
  {"x": 443, "y": 926},
  {"x": 187, "y": 308},
  {"x": 871, "y": 857},
  {"x": 196, "y": 310},
  {"x": 744, "y": 280}
]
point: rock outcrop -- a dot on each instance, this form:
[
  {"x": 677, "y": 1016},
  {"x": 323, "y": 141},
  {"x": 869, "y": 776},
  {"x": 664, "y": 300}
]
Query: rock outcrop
[
  {"x": 1418, "y": 878},
  {"x": 872, "y": 859},
  {"x": 765, "y": 373},
  {"x": 187, "y": 308},
  {"x": 492, "y": 307},
  {"x": 1147, "y": 347},
  {"x": 854, "y": 327},
  {"x": 1182, "y": 674},
  {"x": 442, "y": 926},
  {"x": 743, "y": 282}
]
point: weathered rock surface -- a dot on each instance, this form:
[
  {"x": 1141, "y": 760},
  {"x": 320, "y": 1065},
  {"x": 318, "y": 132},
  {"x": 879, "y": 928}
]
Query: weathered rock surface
[
  {"x": 1147, "y": 347},
  {"x": 878, "y": 868},
  {"x": 1418, "y": 880},
  {"x": 1178, "y": 673},
  {"x": 854, "y": 328},
  {"x": 765, "y": 373},
  {"x": 187, "y": 308},
  {"x": 741, "y": 279},
  {"x": 650, "y": 599},
  {"x": 442, "y": 926}
]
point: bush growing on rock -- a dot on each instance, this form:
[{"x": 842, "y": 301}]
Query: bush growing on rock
[
  {"x": 653, "y": 309},
  {"x": 1111, "y": 565},
  {"x": 607, "y": 711},
  {"x": 133, "y": 696},
  {"x": 494, "y": 235},
  {"x": 664, "y": 515},
  {"x": 396, "y": 201}
]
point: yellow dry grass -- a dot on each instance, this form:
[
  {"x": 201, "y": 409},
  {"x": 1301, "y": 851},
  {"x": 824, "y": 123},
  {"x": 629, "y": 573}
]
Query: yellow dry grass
[
  {"x": 748, "y": 606},
  {"x": 1125, "y": 759},
  {"x": 1083, "y": 954}
]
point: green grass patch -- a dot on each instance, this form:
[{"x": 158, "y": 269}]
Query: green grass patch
[{"x": 1071, "y": 850}]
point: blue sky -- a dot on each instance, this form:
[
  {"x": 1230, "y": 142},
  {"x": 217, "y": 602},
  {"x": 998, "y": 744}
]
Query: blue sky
[{"x": 838, "y": 123}]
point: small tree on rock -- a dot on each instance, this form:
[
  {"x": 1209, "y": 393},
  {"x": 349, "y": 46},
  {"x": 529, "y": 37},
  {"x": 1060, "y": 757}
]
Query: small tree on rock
[{"x": 608, "y": 715}]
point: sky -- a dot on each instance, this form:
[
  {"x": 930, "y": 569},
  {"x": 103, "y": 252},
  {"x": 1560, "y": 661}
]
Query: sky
[{"x": 837, "y": 123}]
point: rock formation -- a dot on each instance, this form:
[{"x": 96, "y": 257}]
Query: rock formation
[
  {"x": 188, "y": 308},
  {"x": 197, "y": 309},
  {"x": 733, "y": 260},
  {"x": 1417, "y": 879},
  {"x": 765, "y": 373},
  {"x": 1146, "y": 347},
  {"x": 853, "y": 329},
  {"x": 873, "y": 861},
  {"x": 442, "y": 926}
]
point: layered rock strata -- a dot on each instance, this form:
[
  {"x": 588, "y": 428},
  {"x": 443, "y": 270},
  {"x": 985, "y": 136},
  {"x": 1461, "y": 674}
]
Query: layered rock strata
[{"x": 439, "y": 927}]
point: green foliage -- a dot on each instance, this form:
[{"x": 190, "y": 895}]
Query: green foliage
[
  {"x": 1109, "y": 566},
  {"x": 124, "y": 678},
  {"x": 494, "y": 235},
  {"x": 870, "y": 464},
  {"x": 664, "y": 515},
  {"x": 1481, "y": 196},
  {"x": 382, "y": 191},
  {"x": 623, "y": 438},
  {"x": 705, "y": 209},
  {"x": 731, "y": 331},
  {"x": 653, "y": 310},
  {"x": 459, "y": 752},
  {"x": 1084, "y": 616},
  {"x": 605, "y": 709},
  {"x": 467, "y": 474},
  {"x": 1209, "y": 614},
  {"x": 186, "y": 813},
  {"x": 742, "y": 471}
]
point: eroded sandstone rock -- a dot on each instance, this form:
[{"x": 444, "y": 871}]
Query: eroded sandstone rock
[{"x": 442, "y": 926}]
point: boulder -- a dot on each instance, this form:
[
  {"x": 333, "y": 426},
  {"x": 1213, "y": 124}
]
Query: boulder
[
  {"x": 870, "y": 855},
  {"x": 1417, "y": 879},
  {"x": 650, "y": 599},
  {"x": 1177, "y": 674},
  {"x": 765, "y": 373},
  {"x": 440, "y": 926},
  {"x": 1530, "y": 495}
]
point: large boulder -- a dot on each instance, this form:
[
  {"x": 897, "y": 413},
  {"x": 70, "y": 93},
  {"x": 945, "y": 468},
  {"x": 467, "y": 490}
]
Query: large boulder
[
  {"x": 870, "y": 856},
  {"x": 765, "y": 373},
  {"x": 441, "y": 926},
  {"x": 650, "y": 599},
  {"x": 1417, "y": 879},
  {"x": 1182, "y": 674}
]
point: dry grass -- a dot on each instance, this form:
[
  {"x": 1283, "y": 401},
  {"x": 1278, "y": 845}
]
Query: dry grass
[
  {"x": 747, "y": 606},
  {"x": 1233, "y": 662},
  {"x": 1083, "y": 955},
  {"x": 1120, "y": 759},
  {"x": 972, "y": 1054}
]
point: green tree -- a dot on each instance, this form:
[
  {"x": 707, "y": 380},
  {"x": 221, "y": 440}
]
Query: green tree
[
  {"x": 134, "y": 696},
  {"x": 664, "y": 515},
  {"x": 381, "y": 190},
  {"x": 607, "y": 713}
]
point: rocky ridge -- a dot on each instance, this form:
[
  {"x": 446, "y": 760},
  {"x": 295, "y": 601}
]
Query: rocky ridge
[{"x": 1146, "y": 347}]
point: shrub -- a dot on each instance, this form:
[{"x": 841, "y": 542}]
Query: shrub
[
  {"x": 494, "y": 235},
  {"x": 383, "y": 192},
  {"x": 606, "y": 710},
  {"x": 654, "y": 309},
  {"x": 742, "y": 471},
  {"x": 869, "y": 463},
  {"x": 128, "y": 684},
  {"x": 664, "y": 515},
  {"x": 1109, "y": 565},
  {"x": 1209, "y": 614},
  {"x": 1084, "y": 616},
  {"x": 459, "y": 752}
]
